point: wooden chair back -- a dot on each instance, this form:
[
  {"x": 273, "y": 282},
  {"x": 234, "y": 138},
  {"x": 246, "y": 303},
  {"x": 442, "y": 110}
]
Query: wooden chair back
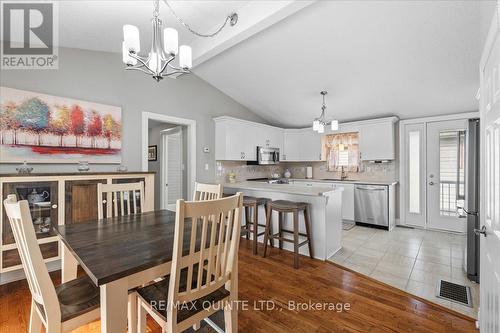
[
  {"x": 207, "y": 191},
  {"x": 39, "y": 282},
  {"x": 120, "y": 199},
  {"x": 211, "y": 250}
]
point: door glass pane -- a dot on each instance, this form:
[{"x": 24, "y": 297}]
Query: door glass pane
[
  {"x": 414, "y": 171},
  {"x": 451, "y": 172}
]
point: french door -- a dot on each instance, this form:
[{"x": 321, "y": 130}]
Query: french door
[
  {"x": 445, "y": 174},
  {"x": 433, "y": 173}
]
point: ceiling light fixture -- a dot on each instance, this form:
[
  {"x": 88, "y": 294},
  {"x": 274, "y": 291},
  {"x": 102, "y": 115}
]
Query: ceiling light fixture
[
  {"x": 158, "y": 63},
  {"x": 320, "y": 122}
]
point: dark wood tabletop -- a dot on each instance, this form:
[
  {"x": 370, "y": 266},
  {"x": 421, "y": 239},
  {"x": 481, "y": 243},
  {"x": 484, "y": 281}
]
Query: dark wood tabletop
[{"x": 113, "y": 248}]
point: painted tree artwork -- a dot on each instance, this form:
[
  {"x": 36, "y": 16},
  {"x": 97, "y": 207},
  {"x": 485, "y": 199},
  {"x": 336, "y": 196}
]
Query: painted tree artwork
[{"x": 40, "y": 128}]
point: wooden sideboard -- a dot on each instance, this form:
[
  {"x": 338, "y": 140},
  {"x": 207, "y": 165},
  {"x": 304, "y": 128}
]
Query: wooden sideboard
[{"x": 65, "y": 198}]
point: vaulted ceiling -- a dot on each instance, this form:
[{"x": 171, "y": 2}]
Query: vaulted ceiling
[{"x": 375, "y": 58}]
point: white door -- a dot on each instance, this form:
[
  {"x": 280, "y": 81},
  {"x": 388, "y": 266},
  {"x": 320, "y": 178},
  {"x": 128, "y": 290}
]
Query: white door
[
  {"x": 172, "y": 167},
  {"x": 489, "y": 311},
  {"x": 445, "y": 174}
]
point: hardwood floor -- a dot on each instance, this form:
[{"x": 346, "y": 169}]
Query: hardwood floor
[{"x": 374, "y": 307}]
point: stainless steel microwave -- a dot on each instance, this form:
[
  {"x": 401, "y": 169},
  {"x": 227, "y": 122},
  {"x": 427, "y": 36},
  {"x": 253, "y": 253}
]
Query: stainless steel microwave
[{"x": 267, "y": 155}]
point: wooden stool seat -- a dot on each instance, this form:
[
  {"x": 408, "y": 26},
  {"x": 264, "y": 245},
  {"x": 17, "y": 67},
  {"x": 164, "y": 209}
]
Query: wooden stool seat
[
  {"x": 249, "y": 201},
  {"x": 288, "y": 206},
  {"x": 283, "y": 207}
]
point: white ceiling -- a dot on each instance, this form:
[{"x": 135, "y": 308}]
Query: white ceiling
[
  {"x": 97, "y": 25},
  {"x": 407, "y": 58}
]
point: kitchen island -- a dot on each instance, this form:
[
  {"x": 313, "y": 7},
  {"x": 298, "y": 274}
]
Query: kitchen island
[{"x": 325, "y": 209}]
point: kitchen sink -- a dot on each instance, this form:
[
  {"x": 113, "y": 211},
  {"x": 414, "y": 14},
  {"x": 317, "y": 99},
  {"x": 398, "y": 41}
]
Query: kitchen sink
[{"x": 339, "y": 180}]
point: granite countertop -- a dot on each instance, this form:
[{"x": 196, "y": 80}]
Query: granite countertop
[
  {"x": 283, "y": 188},
  {"x": 86, "y": 173},
  {"x": 367, "y": 182}
]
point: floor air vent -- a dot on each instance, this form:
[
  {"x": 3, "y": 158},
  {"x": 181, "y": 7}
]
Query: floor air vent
[{"x": 454, "y": 292}]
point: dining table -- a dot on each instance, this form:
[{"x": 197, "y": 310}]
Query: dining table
[{"x": 120, "y": 254}]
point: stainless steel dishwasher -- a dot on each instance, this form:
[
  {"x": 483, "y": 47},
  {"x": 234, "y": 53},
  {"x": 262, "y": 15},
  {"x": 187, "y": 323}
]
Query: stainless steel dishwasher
[{"x": 371, "y": 205}]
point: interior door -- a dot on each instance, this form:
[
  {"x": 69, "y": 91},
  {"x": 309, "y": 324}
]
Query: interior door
[
  {"x": 446, "y": 174},
  {"x": 172, "y": 168},
  {"x": 490, "y": 180}
]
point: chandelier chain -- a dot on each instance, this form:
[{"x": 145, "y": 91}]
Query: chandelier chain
[{"x": 231, "y": 18}]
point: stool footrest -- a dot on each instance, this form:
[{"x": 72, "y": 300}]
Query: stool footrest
[
  {"x": 291, "y": 232},
  {"x": 276, "y": 236}
]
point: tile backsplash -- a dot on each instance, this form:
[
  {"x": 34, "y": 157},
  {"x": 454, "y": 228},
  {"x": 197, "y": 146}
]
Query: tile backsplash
[{"x": 368, "y": 171}]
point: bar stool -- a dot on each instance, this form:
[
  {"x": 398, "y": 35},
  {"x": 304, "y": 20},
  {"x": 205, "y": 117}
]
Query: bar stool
[
  {"x": 251, "y": 226},
  {"x": 251, "y": 205},
  {"x": 283, "y": 207}
]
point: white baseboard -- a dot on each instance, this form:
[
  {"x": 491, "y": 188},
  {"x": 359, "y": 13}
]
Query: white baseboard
[{"x": 19, "y": 274}]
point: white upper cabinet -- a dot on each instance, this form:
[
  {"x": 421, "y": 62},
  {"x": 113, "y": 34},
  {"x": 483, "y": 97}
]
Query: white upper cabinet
[
  {"x": 301, "y": 145},
  {"x": 377, "y": 140},
  {"x": 237, "y": 139}
]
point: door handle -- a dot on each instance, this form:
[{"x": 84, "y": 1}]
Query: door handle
[
  {"x": 431, "y": 183},
  {"x": 481, "y": 231},
  {"x": 468, "y": 212}
]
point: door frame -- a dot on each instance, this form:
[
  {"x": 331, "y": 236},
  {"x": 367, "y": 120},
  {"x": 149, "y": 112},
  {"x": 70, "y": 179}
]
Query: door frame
[
  {"x": 190, "y": 149},
  {"x": 403, "y": 162},
  {"x": 164, "y": 160}
]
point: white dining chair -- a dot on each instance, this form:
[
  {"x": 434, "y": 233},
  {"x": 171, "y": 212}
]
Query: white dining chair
[
  {"x": 207, "y": 191},
  {"x": 59, "y": 309},
  {"x": 204, "y": 268},
  {"x": 120, "y": 199}
]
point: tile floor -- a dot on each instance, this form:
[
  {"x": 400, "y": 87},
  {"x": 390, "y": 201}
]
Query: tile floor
[{"x": 409, "y": 259}]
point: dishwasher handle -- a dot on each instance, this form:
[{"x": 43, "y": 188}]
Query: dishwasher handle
[{"x": 372, "y": 188}]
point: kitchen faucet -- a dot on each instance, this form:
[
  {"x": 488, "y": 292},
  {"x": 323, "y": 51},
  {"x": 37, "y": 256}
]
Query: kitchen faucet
[{"x": 343, "y": 174}]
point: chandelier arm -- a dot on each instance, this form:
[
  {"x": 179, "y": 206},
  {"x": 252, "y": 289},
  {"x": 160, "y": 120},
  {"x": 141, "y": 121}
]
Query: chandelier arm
[
  {"x": 233, "y": 18},
  {"x": 166, "y": 64},
  {"x": 139, "y": 69},
  {"x": 143, "y": 62},
  {"x": 174, "y": 73}
]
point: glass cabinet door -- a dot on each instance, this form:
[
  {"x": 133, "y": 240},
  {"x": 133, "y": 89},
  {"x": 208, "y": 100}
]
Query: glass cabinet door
[{"x": 42, "y": 198}]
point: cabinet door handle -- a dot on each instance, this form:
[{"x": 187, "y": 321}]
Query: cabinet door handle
[
  {"x": 104, "y": 201},
  {"x": 54, "y": 206}
]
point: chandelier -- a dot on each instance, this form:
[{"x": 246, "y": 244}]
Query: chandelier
[
  {"x": 164, "y": 49},
  {"x": 320, "y": 122}
]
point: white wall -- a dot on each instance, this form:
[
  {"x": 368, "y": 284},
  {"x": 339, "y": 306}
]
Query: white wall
[{"x": 100, "y": 77}]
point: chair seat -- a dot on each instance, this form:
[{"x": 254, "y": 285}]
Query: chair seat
[
  {"x": 288, "y": 205},
  {"x": 157, "y": 293},
  {"x": 76, "y": 297}
]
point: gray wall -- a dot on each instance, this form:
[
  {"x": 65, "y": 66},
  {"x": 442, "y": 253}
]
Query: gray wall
[{"x": 100, "y": 77}]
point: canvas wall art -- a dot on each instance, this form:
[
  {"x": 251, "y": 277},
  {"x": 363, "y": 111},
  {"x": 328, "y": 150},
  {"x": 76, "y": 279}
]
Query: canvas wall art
[{"x": 40, "y": 128}]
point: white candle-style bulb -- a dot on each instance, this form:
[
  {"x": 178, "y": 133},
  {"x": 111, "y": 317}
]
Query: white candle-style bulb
[
  {"x": 171, "y": 41},
  {"x": 335, "y": 125},
  {"x": 127, "y": 59},
  {"x": 131, "y": 37},
  {"x": 185, "y": 57},
  {"x": 321, "y": 128},
  {"x": 315, "y": 125}
]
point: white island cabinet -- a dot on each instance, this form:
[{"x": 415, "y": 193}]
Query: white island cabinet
[{"x": 325, "y": 209}]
